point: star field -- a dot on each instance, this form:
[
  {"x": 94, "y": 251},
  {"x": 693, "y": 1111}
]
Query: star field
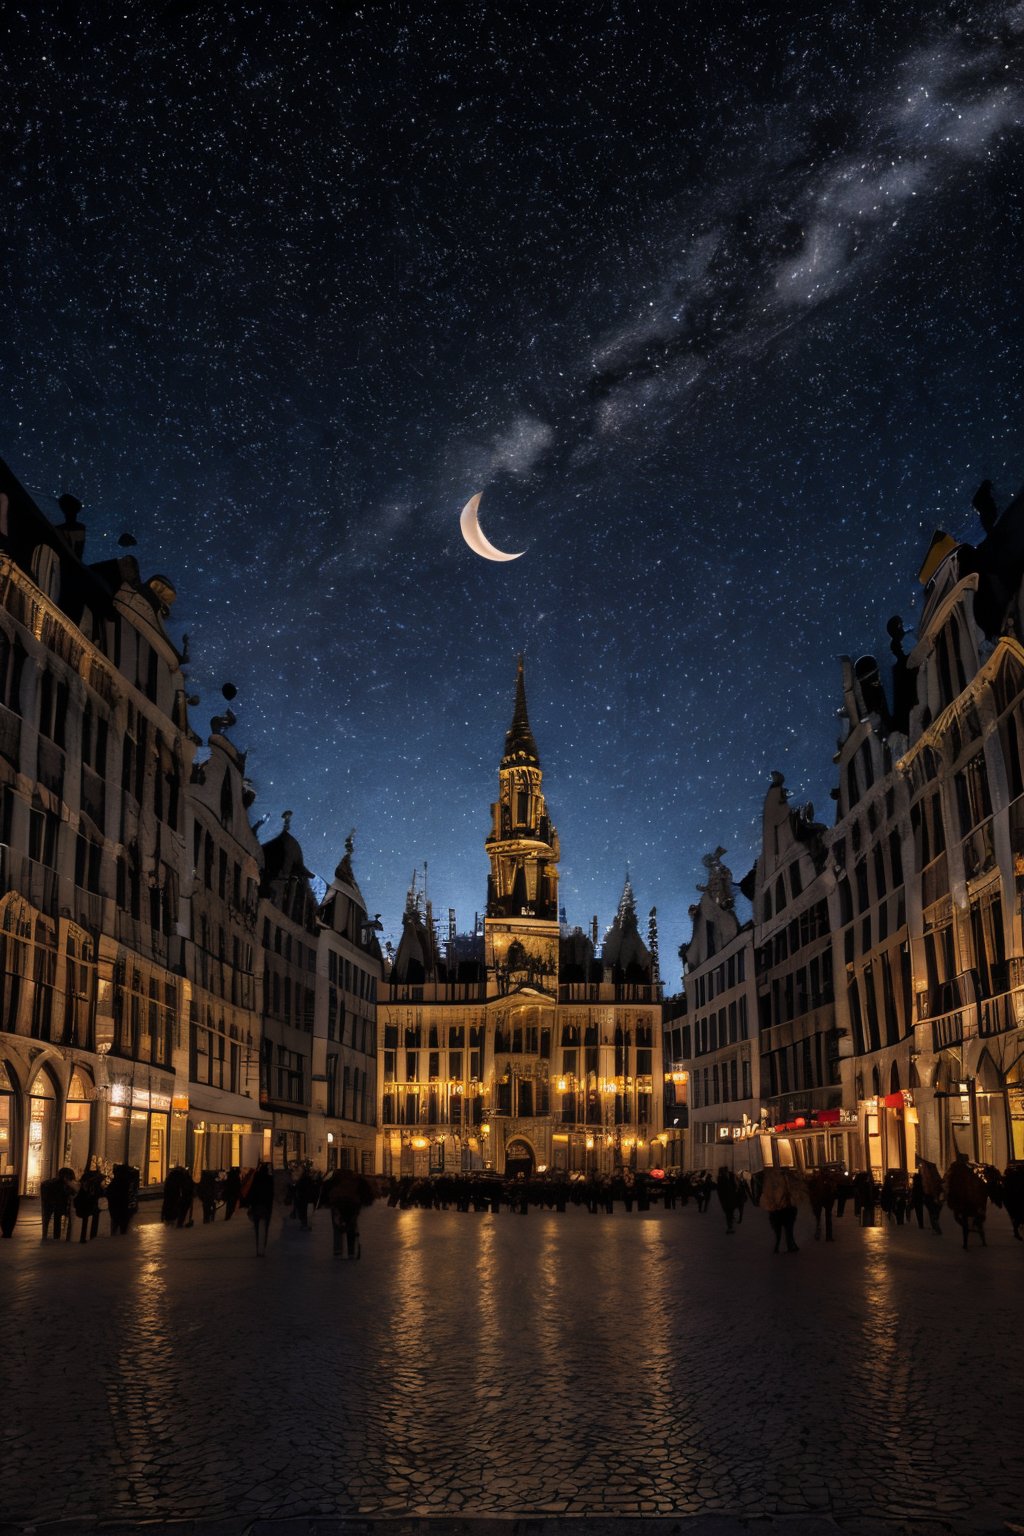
[{"x": 719, "y": 307}]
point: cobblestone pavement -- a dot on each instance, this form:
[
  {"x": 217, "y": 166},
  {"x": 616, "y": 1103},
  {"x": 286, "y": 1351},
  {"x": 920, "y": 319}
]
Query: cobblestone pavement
[{"x": 476, "y": 1367}]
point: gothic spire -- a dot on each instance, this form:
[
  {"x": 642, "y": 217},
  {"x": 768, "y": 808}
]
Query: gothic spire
[{"x": 519, "y": 743}]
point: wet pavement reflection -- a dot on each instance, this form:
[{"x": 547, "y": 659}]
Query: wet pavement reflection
[{"x": 635, "y": 1364}]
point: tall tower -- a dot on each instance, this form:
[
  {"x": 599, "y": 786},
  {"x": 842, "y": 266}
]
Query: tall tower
[{"x": 521, "y": 928}]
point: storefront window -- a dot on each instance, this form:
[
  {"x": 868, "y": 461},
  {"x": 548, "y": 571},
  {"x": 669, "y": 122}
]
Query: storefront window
[
  {"x": 41, "y": 1123},
  {"x": 78, "y": 1121},
  {"x": 147, "y": 1145},
  {"x": 6, "y": 1121}
]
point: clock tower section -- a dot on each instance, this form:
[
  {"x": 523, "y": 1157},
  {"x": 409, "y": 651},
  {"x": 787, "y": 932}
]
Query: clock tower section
[{"x": 521, "y": 929}]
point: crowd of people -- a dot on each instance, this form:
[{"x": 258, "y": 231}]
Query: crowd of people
[
  {"x": 965, "y": 1190},
  {"x": 298, "y": 1191}
]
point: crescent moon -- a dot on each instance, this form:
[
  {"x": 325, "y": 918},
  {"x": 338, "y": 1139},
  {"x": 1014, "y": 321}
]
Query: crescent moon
[{"x": 469, "y": 522}]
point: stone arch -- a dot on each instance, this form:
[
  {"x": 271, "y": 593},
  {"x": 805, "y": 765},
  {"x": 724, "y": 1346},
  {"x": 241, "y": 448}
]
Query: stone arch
[{"x": 520, "y": 1156}]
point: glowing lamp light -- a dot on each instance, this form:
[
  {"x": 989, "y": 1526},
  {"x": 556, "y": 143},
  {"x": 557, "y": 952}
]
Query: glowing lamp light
[
  {"x": 680, "y": 1077},
  {"x": 590, "y": 1143},
  {"x": 419, "y": 1142},
  {"x": 562, "y": 1085},
  {"x": 799, "y": 1122},
  {"x": 485, "y": 1129},
  {"x": 656, "y": 1173}
]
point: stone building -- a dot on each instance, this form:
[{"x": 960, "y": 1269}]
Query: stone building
[
  {"x": 889, "y": 953},
  {"x": 162, "y": 999},
  {"x": 677, "y": 1053},
  {"x": 223, "y": 960},
  {"x": 869, "y": 851},
  {"x": 724, "y": 1079},
  {"x": 95, "y": 754},
  {"x": 963, "y": 772},
  {"x": 800, "y": 1079},
  {"x": 522, "y": 1049},
  {"x": 290, "y": 931},
  {"x": 349, "y": 968}
]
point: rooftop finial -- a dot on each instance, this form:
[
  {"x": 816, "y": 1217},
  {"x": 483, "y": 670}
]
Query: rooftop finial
[{"x": 519, "y": 742}]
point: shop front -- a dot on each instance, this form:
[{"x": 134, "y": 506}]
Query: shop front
[
  {"x": 139, "y": 1122},
  {"x": 79, "y": 1130},
  {"x": 889, "y": 1132},
  {"x": 821, "y": 1138},
  {"x": 42, "y": 1125}
]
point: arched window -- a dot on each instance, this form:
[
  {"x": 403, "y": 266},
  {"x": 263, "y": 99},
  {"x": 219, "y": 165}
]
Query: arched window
[
  {"x": 78, "y": 1120},
  {"x": 42, "y": 1125}
]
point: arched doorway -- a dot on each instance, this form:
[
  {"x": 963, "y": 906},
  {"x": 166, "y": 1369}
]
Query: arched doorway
[
  {"x": 42, "y": 1123},
  {"x": 78, "y": 1121},
  {"x": 519, "y": 1158}
]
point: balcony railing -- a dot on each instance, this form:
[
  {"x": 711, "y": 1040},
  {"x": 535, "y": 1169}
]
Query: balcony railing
[
  {"x": 935, "y": 881},
  {"x": 955, "y": 1027},
  {"x": 40, "y": 887},
  {"x": 609, "y": 992},
  {"x": 51, "y": 766},
  {"x": 10, "y": 735},
  {"x": 978, "y": 851},
  {"x": 94, "y": 800},
  {"x": 88, "y": 909},
  {"x": 1000, "y": 1015}
]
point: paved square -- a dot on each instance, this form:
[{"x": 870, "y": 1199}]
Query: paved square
[{"x": 546, "y": 1365}]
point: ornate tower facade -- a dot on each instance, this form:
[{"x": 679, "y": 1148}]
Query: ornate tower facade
[{"x": 521, "y": 927}]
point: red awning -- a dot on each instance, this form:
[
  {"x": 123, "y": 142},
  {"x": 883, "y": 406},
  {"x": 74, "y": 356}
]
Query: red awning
[
  {"x": 893, "y": 1101},
  {"x": 828, "y": 1116}
]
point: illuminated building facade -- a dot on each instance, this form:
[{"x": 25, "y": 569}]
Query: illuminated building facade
[
  {"x": 349, "y": 966},
  {"x": 289, "y": 930},
  {"x": 95, "y": 755},
  {"x": 723, "y": 1070},
  {"x": 521, "y": 1049},
  {"x": 226, "y": 1126},
  {"x": 963, "y": 776},
  {"x": 889, "y": 954}
]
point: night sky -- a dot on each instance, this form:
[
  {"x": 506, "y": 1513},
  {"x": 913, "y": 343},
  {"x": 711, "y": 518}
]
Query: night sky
[{"x": 719, "y": 306}]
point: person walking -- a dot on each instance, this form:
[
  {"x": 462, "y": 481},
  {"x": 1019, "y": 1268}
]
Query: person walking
[
  {"x": 346, "y": 1193},
  {"x": 55, "y": 1197},
  {"x": 728, "y": 1197},
  {"x": 261, "y": 1204},
  {"x": 87, "y": 1203},
  {"x": 304, "y": 1195},
  {"x": 781, "y": 1188},
  {"x": 207, "y": 1192},
  {"x": 232, "y": 1191},
  {"x": 122, "y": 1198}
]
